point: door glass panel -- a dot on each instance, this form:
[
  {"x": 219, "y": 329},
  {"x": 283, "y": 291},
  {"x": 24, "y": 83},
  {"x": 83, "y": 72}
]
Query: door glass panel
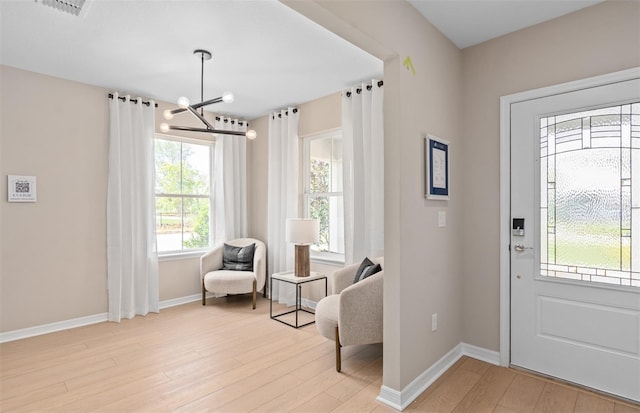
[{"x": 590, "y": 195}]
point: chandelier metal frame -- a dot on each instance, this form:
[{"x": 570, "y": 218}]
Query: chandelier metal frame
[{"x": 185, "y": 106}]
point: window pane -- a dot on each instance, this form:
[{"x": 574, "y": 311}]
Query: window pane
[
  {"x": 195, "y": 169},
  {"x": 329, "y": 212},
  {"x": 182, "y": 170},
  {"x": 589, "y": 218},
  {"x": 196, "y": 223},
  {"x": 168, "y": 172},
  {"x": 325, "y": 174},
  {"x": 169, "y": 224},
  {"x": 587, "y": 208}
]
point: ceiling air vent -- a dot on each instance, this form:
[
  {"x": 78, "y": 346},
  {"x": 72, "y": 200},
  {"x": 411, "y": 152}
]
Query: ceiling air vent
[{"x": 70, "y": 6}]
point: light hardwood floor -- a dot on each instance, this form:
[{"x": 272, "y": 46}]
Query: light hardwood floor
[{"x": 226, "y": 357}]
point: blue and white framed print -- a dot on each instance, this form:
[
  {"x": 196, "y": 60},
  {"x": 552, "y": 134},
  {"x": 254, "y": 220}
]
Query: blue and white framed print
[{"x": 437, "y": 175}]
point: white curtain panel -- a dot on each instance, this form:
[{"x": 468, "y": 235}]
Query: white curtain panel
[
  {"x": 363, "y": 163},
  {"x": 282, "y": 199},
  {"x": 230, "y": 182},
  {"x": 132, "y": 259}
]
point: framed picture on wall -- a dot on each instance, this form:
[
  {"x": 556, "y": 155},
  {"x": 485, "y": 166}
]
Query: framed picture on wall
[
  {"x": 437, "y": 177},
  {"x": 21, "y": 188}
]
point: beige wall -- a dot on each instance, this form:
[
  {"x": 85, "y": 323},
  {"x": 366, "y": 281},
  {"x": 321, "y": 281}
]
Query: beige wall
[
  {"x": 422, "y": 261},
  {"x": 600, "y": 39},
  {"x": 55, "y": 249},
  {"x": 53, "y": 261},
  {"x": 54, "y": 256},
  {"x": 314, "y": 117},
  {"x": 455, "y": 95}
]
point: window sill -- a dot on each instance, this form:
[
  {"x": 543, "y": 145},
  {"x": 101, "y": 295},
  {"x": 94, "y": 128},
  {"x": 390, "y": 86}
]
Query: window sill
[
  {"x": 174, "y": 256},
  {"x": 330, "y": 259}
]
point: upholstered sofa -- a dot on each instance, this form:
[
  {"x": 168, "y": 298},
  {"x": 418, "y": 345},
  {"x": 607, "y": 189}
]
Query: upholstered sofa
[{"x": 353, "y": 314}]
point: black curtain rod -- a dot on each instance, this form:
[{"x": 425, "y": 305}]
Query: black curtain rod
[
  {"x": 240, "y": 122},
  {"x": 359, "y": 90},
  {"x": 295, "y": 110},
  {"x": 124, "y": 98}
]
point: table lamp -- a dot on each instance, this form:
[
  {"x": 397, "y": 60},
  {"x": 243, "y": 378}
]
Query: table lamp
[{"x": 302, "y": 232}]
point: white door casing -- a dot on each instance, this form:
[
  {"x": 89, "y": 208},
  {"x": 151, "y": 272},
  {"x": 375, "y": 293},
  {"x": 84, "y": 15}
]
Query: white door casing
[{"x": 585, "y": 333}]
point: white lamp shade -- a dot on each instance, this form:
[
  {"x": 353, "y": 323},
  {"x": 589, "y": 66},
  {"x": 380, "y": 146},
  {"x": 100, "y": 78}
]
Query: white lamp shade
[{"x": 302, "y": 230}]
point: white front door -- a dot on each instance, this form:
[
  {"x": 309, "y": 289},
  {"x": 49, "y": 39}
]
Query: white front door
[{"x": 575, "y": 243}]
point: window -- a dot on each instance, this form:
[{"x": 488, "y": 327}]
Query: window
[
  {"x": 590, "y": 217},
  {"x": 323, "y": 200},
  {"x": 183, "y": 195}
]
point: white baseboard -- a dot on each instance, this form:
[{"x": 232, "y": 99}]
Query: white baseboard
[
  {"x": 308, "y": 303},
  {"x": 53, "y": 327},
  {"x": 399, "y": 400},
  {"x": 81, "y": 321},
  {"x": 179, "y": 301},
  {"x": 482, "y": 354},
  {"x": 390, "y": 397}
]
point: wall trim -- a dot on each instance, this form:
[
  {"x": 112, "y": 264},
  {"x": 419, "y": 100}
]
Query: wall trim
[
  {"x": 81, "y": 321},
  {"x": 400, "y": 400},
  {"x": 179, "y": 301},
  {"x": 308, "y": 303},
  {"x": 482, "y": 354},
  {"x": 53, "y": 327}
]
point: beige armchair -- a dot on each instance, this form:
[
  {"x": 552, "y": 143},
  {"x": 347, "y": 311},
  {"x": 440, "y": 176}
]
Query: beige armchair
[
  {"x": 353, "y": 314},
  {"x": 216, "y": 280}
]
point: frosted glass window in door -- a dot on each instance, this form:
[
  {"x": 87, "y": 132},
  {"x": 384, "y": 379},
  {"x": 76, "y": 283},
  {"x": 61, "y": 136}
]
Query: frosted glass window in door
[{"x": 590, "y": 195}]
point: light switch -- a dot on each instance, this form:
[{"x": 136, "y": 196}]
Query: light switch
[{"x": 442, "y": 219}]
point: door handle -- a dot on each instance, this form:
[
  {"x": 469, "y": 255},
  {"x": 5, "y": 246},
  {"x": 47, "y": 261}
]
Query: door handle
[{"x": 521, "y": 248}]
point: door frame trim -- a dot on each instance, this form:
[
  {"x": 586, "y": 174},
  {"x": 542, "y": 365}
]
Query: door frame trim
[{"x": 505, "y": 184}]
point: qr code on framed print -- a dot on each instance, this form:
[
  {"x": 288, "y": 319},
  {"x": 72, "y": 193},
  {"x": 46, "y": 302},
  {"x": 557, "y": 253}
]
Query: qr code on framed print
[{"x": 21, "y": 188}]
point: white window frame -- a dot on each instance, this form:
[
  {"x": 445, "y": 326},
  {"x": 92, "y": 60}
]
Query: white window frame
[
  {"x": 194, "y": 252},
  {"x": 318, "y": 256}
]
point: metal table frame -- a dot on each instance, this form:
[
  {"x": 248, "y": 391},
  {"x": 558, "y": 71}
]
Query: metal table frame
[{"x": 297, "y": 281}]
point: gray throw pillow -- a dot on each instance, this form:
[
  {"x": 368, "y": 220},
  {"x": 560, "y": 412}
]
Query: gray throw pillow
[
  {"x": 238, "y": 258},
  {"x": 369, "y": 271},
  {"x": 363, "y": 265}
]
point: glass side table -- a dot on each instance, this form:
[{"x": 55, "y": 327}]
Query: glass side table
[{"x": 288, "y": 277}]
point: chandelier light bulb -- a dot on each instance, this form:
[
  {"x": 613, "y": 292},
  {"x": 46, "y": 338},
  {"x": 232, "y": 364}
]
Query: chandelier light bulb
[
  {"x": 251, "y": 134},
  {"x": 183, "y": 102},
  {"x": 167, "y": 114},
  {"x": 227, "y": 97},
  {"x": 164, "y": 127}
]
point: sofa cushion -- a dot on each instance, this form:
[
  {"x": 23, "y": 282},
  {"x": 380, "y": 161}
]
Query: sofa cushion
[
  {"x": 238, "y": 258},
  {"x": 363, "y": 266},
  {"x": 229, "y": 281}
]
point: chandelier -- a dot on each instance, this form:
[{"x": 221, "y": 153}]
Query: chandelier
[{"x": 185, "y": 106}]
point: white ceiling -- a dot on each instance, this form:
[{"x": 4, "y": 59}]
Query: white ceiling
[
  {"x": 470, "y": 22},
  {"x": 267, "y": 54}
]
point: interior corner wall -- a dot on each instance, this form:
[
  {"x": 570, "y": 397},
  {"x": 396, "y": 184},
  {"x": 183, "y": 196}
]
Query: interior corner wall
[
  {"x": 53, "y": 261},
  {"x": 600, "y": 39},
  {"x": 317, "y": 116},
  {"x": 422, "y": 261}
]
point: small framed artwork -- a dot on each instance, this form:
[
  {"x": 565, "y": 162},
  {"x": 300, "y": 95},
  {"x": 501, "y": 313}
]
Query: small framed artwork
[
  {"x": 21, "y": 188},
  {"x": 437, "y": 176}
]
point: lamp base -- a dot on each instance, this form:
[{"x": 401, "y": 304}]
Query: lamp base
[{"x": 302, "y": 261}]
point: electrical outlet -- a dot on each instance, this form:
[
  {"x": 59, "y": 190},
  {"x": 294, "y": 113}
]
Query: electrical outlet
[{"x": 434, "y": 322}]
